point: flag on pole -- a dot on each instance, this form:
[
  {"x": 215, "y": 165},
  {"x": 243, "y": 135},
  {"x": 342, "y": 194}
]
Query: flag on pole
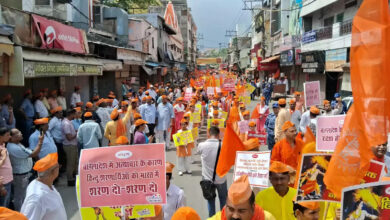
[
  {"x": 230, "y": 145},
  {"x": 366, "y": 124}
]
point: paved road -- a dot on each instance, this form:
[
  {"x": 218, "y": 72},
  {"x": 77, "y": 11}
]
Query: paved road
[{"x": 189, "y": 183}]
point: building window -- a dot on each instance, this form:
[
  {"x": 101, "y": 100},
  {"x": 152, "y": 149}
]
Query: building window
[
  {"x": 307, "y": 23},
  {"x": 153, "y": 42},
  {"x": 340, "y": 18},
  {"x": 328, "y": 22},
  {"x": 42, "y": 2}
]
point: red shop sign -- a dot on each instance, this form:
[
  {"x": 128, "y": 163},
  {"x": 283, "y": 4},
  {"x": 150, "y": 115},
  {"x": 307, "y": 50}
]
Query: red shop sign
[
  {"x": 55, "y": 35},
  {"x": 271, "y": 66}
]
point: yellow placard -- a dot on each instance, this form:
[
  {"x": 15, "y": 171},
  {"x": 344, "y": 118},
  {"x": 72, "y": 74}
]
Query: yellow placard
[
  {"x": 221, "y": 123},
  {"x": 183, "y": 138},
  {"x": 195, "y": 117},
  {"x": 195, "y": 133},
  {"x": 102, "y": 213},
  {"x": 224, "y": 115},
  {"x": 249, "y": 88},
  {"x": 217, "y": 83},
  {"x": 198, "y": 108},
  {"x": 245, "y": 99}
]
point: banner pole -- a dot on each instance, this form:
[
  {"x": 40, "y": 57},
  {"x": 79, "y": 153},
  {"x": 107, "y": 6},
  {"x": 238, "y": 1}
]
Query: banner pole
[{"x": 123, "y": 213}]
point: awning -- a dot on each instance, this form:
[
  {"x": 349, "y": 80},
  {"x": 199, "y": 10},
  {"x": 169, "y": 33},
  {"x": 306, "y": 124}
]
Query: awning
[
  {"x": 270, "y": 59},
  {"x": 111, "y": 65},
  {"x": 6, "y": 46},
  {"x": 148, "y": 70},
  {"x": 44, "y": 64},
  {"x": 151, "y": 64}
]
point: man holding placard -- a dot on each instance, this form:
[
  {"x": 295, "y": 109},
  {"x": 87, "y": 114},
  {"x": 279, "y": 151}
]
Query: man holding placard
[{"x": 278, "y": 199}]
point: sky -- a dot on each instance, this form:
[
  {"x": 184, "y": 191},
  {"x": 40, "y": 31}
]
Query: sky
[{"x": 214, "y": 17}]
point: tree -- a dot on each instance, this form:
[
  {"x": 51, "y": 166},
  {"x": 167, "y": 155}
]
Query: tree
[{"x": 132, "y": 5}]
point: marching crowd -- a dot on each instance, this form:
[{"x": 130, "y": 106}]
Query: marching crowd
[{"x": 52, "y": 132}]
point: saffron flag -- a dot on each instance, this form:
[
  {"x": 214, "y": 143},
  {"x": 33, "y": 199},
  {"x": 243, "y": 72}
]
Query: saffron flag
[
  {"x": 192, "y": 82},
  {"x": 230, "y": 145},
  {"x": 366, "y": 122},
  {"x": 147, "y": 84}
]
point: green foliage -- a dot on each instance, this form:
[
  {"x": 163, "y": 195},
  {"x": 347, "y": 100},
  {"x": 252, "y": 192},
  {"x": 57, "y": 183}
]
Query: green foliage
[
  {"x": 218, "y": 53},
  {"x": 129, "y": 5}
]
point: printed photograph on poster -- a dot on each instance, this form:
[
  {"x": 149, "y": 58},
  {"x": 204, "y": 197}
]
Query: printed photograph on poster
[
  {"x": 123, "y": 175},
  {"x": 255, "y": 164},
  {"x": 366, "y": 201},
  {"x": 328, "y": 132},
  {"x": 312, "y": 93},
  {"x": 311, "y": 186}
]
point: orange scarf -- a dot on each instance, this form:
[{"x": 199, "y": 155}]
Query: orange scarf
[
  {"x": 120, "y": 128},
  {"x": 258, "y": 215}
]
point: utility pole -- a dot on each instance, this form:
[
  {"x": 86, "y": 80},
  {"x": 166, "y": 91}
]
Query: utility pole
[{"x": 250, "y": 5}]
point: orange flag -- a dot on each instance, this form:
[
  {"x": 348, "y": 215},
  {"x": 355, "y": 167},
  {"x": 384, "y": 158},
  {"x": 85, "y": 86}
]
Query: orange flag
[
  {"x": 192, "y": 82},
  {"x": 309, "y": 136},
  {"x": 230, "y": 145},
  {"x": 255, "y": 112},
  {"x": 366, "y": 122},
  {"x": 147, "y": 84}
]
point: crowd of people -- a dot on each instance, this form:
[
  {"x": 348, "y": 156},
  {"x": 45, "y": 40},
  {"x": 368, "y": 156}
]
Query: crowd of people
[{"x": 54, "y": 131}]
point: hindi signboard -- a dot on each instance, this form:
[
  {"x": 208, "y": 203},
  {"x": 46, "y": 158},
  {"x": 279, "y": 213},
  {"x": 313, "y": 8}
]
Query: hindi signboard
[
  {"x": 255, "y": 164},
  {"x": 188, "y": 94},
  {"x": 229, "y": 84},
  {"x": 262, "y": 136},
  {"x": 183, "y": 138},
  {"x": 123, "y": 175},
  {"x": 312, "y": 93},
  {"x": 328, "y": 132},
  {"x": 130, "y": 212}
]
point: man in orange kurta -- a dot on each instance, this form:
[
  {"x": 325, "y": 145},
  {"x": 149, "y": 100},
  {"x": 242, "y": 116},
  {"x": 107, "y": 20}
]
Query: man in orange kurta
[{"x": 289, "y": 148}]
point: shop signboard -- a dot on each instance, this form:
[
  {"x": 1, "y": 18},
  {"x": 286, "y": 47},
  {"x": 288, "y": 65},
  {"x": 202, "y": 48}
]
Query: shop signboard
[
  {"x": 287, "y": 58},
  {"x": 41, "y": 69},
  {"x": 309, "y": 37},
  {"x": 313, "y": 62},
  {"x": 55, "y": 35},
  {"x": 335, "y": 59}
]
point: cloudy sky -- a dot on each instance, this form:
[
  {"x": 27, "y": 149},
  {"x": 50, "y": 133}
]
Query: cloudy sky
[{"x": 214, "y": 17}]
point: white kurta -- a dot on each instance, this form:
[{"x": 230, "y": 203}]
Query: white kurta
[
  {"x": 43, "y": 203},
  {"x": 75, "y": 99},
  {"x": 175, "y": 200}
]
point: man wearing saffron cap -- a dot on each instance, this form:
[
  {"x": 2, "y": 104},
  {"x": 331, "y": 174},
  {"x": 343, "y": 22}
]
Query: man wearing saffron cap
[
  {"x": 241, "y": 205},
  {"x": 117, "y": 127},
  {"x": 165, "y": 118},
  {"x": 278, "y": 199},
  {"x": 103, "y": 113},
  {"x": 175, "y": 195},
  {"x": 289, "y": 148},
  {"x": 40, "y": 108},
  {"x": 148, "y": 112},
  {"x": 309, "y": 119},
  {"x": 43, "y": 201},
  {"x": 283, "y": 116},
  {"x": 329, "y": 111},
  {"x": 89, "y": 132},
  {"x": 48, "y": 144},
  {"x": 185, "y": 213},
  {"x": 307, "y": 210}
]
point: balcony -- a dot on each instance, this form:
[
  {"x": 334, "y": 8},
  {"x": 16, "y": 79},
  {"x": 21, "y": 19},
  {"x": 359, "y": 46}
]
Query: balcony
[{"x": 345, "y": 27}]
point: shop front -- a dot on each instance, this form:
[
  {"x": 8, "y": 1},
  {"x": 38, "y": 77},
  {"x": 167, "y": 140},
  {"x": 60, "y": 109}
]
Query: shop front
[
  {"x": 313, "y": 65},
  {"x": 334, "y": 62},
  {"x": 42, "y": 69}
]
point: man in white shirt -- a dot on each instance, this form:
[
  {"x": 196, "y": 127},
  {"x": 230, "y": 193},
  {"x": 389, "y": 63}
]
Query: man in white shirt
[
  {"x": 175, "y": 195},
  {"x": 209, "y": 151},
  {"x": 40, "y": 107},
  {"x": 43, "y": 202},
  {"x": 75, "y": 97},
  {"x": 89, "y": 132}
]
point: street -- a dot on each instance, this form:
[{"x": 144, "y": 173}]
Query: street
[{"x": 189, "y": 183}]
